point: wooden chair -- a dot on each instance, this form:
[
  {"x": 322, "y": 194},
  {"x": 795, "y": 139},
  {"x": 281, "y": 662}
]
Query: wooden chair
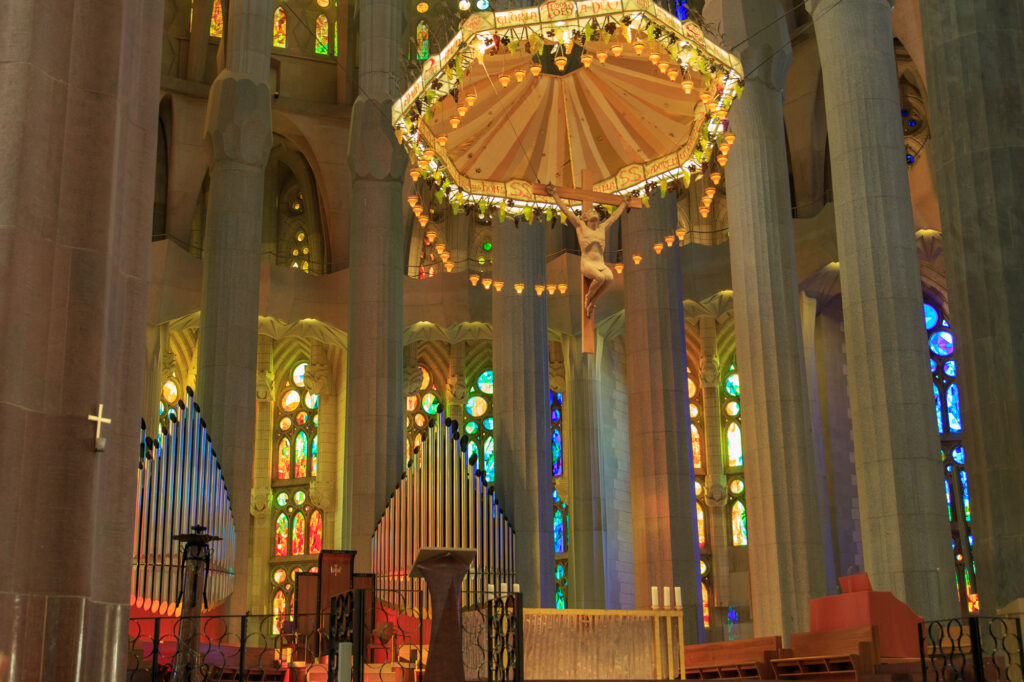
[
  {"x": 741, "y": 659},
  {"x": 830, "y": 654}
]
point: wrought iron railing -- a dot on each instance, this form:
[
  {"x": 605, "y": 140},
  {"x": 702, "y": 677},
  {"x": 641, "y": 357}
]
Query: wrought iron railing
[{"x": 972, "y": 648}]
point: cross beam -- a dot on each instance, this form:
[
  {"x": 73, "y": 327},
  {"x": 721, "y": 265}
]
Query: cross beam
[{"x": 589, "y": 196}]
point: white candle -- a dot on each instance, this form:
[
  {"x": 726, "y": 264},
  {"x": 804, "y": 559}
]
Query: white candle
[
  {"x": 667, "y": 591},
  {"x": 654, "y": 597},
  {"x": 679, "y": 597}
]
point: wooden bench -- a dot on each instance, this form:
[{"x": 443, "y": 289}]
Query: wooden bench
[
  {"x": 830, "y": 654},
  {"x": 741, "y": 659}
]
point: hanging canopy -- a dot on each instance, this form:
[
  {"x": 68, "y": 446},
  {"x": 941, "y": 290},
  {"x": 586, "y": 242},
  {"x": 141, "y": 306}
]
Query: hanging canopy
[{"x": 620, "y": 89}]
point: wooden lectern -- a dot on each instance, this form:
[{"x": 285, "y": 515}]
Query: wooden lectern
[{"x": 444, "y": 568}]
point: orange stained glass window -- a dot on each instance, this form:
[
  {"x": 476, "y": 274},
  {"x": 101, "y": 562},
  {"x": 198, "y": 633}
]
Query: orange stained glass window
[
  {"x": 280, "y": 28},
  {"x": 299, "y": 534},
  {"x": 301, "y": 447},
  {"x": 316, "y": 532},
  {"x": 700, "y": 525},
  {"x": 280, "y": 605},
  {"x": 706, "y": 598},
  {"x": 281, "y": 536},
  {"x": 695, "y": 441},
  {"x": 321, "y": 34},
  {"x": 217, "y": 20},
  {"x": 284, "y": 458}
]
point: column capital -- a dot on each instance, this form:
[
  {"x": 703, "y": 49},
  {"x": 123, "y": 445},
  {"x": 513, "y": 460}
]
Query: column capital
[
  {"x": 373, "y": 150},
  {"x": 317, "y": 378},
  {"x": 238, "y": 120},
  {"x": 265, "y": 385},
  {"x": 260, "y": 502}
]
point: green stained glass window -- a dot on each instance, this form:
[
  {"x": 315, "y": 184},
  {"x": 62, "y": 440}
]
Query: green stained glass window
[
  {"x": 280, "y": 28},
  {"x": 301, "y": 454},
  {"x": 486, "y": 382},
  {"x": 321, "y": 34},
  {"x": 281, "y": 535}
]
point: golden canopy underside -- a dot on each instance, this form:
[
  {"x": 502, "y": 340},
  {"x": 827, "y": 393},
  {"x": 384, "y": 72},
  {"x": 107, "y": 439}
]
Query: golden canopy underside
[{"x": 549, "y": 128}]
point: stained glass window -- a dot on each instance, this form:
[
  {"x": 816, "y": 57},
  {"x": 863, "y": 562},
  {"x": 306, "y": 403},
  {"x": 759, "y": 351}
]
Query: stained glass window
[
  {"x": 559, "y": 525},
  {"x": 731, "y": 419},
  {"x": 280, "y": 610},
  {"x": 322, "y": 29},
  {"x": 556, "y": 434},
  {"x": 299, "y": 525},
  {"x": 422, "y": 41},
  {"x": 280, "y": 28},
  {"x": 739, "y": 523},
  {"x": 217, "y": 20},
  {"x": 946, "y": 394}
]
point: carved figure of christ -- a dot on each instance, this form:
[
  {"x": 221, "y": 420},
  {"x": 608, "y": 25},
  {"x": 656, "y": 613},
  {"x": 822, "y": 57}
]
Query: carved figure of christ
[{"x": 592, "y": 235}]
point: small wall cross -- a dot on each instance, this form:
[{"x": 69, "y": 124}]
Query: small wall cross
[{"x": 101, "y": 443}]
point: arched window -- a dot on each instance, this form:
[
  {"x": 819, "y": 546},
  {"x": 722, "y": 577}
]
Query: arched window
[
  {"x": 298, "y": 524},
  {"x": 422, "y": 41},
  {"x": 696, "y": 422},
  {"x": 732, "y": 425},
  {"x": 479, "y": 424},
  {"x": 280, "y": 28},
  {"x": 942, "y": 351},
  {"x": 560, "y": 526},
  {"x": 420, "y": 408},
  {"x": 696, "y": 444},
  {"x": 557, "y": 464},
  {"x": 217, "y": 20},
  {"x": 322, "y": 30}
]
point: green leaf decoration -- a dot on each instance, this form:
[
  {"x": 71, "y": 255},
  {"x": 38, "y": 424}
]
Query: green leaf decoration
[{"x": 528, "y": 214}]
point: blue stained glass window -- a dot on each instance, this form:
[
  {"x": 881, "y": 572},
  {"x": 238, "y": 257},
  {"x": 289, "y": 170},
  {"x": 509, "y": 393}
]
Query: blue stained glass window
[
  {"x": 938, "y": 406},
  {"x": 953, "y": 408},
  {"x": 556, "y": 453},
  {"x": 958, "y": 455},
  {"x": 559, "y": 572},
  {"x": 559, "y": 528},
  {"x": 949, "y": 367},
  {"x": 559, "y": 598},
  {"x": 931, "y": 316},
  {"x": 489, "y": 459},
  {"x": 732, "y": 384},
  {"x": 556, "y": 414},
  {"x": 934, "y": 365},
  {"x": 967, "y": 496},
  {"x": 489, "y": 423},
  {"x": 949, "y": 506},
  {"x": 941, "y": 343},
  {"x": 486, "y": 382}
]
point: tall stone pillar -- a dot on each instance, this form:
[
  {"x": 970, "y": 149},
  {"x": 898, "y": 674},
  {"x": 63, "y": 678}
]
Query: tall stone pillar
[
  {"x": 238, "y": 138},
  {"x": 522, "y": 426},
  {"x": 260, "y": 500},
  {"x": 79, "y": 147},
  {"x": 899, "y": 475},
  {"x": 972, "y": 51},
  {"x": 582, "y": 409},
  {"x": 665, "y": 550},
  {"x": 783, "y": 512},
  {"x": 323, "y": 490},
  {"x": 716, "y": 490},
  {"x": 374, "y": 438}
]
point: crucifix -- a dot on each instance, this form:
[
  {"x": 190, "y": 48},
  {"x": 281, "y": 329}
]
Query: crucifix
[
  {"x": 592, "y": 234},
  {"x": 101, "y": 443}
]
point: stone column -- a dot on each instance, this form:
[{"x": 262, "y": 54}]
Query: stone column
[
  {"x": 260, "y": 501},
  {"x": 238, "y": 137},
  {"x": 199, "y": 39},
  {"x": 665, "y": 550},
  {"x": 522, "y": 426},
  {"x": 582, "y": 418},
  {"x": 783, "y": 512},
  {"x": 972, "y": 51},
  {"x": 716, "y": 491},
  {"x": 899, "y": 477},
  {"x": 79, "y": 147},
  {"x": 374, "y": 434}
]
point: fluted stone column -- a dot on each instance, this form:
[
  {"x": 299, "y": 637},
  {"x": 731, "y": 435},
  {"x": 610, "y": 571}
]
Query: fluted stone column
[
  {"x": 899, "y": 475},
  {"x": 582, "y": 409},
  {"x": 716, "y": 491},
  {"x": 783, "y": 513},
  {"x": 238, "y": 137},
  {"x": 665, "y": 550},
  {"x": 972, "y": 51},
  {"x": 260, "y": 501},
  {"x": 522, "y": 426},
  {"x": 79, "y": 117},
  {"x": 323, "y": 490},
  {"x": 374, "y": 435}
]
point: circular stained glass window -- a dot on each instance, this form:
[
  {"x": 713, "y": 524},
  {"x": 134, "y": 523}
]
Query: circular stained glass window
[
  {"x": 169, "y": 393},
  {"x": 489, "y": 424},
  {"x": 411, "y": 403},
  {"x": 941, "y": 343},
  {"x": 732, "y": 384},
  {"x": 286, "y": 423},
  {"x": 470, "y": 428},
  {"x": 290, "y": 401},
  {"x": 691, "y": 387},
  {"x": 300, "y": 498},
  {"x": 323, "y": 3},
  {"x": 299, "y": 374},
  {"x": 559, "y": 571},
  {"x": 949, "y": 367},
  {"x": 425, "y": 382},
  {"x": 736, "y": 487},
  {"x": 694, "y": 411},
  {"x": 430, "y": 403},
  {"x": 282, "y": 499},
  {"x": 931, "y": 316},
  {"x": 300, "y": 237},
  {"x": 486, "y": 382},
  {"x": 312, "y": 400},
  {"x": 476, "y": 407},
  {"x": 732, "y": 408},
  {"x": 301, "y": 418},
  {"x": 421, "y": 421},
  {"x": 280, "y": 575}
]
